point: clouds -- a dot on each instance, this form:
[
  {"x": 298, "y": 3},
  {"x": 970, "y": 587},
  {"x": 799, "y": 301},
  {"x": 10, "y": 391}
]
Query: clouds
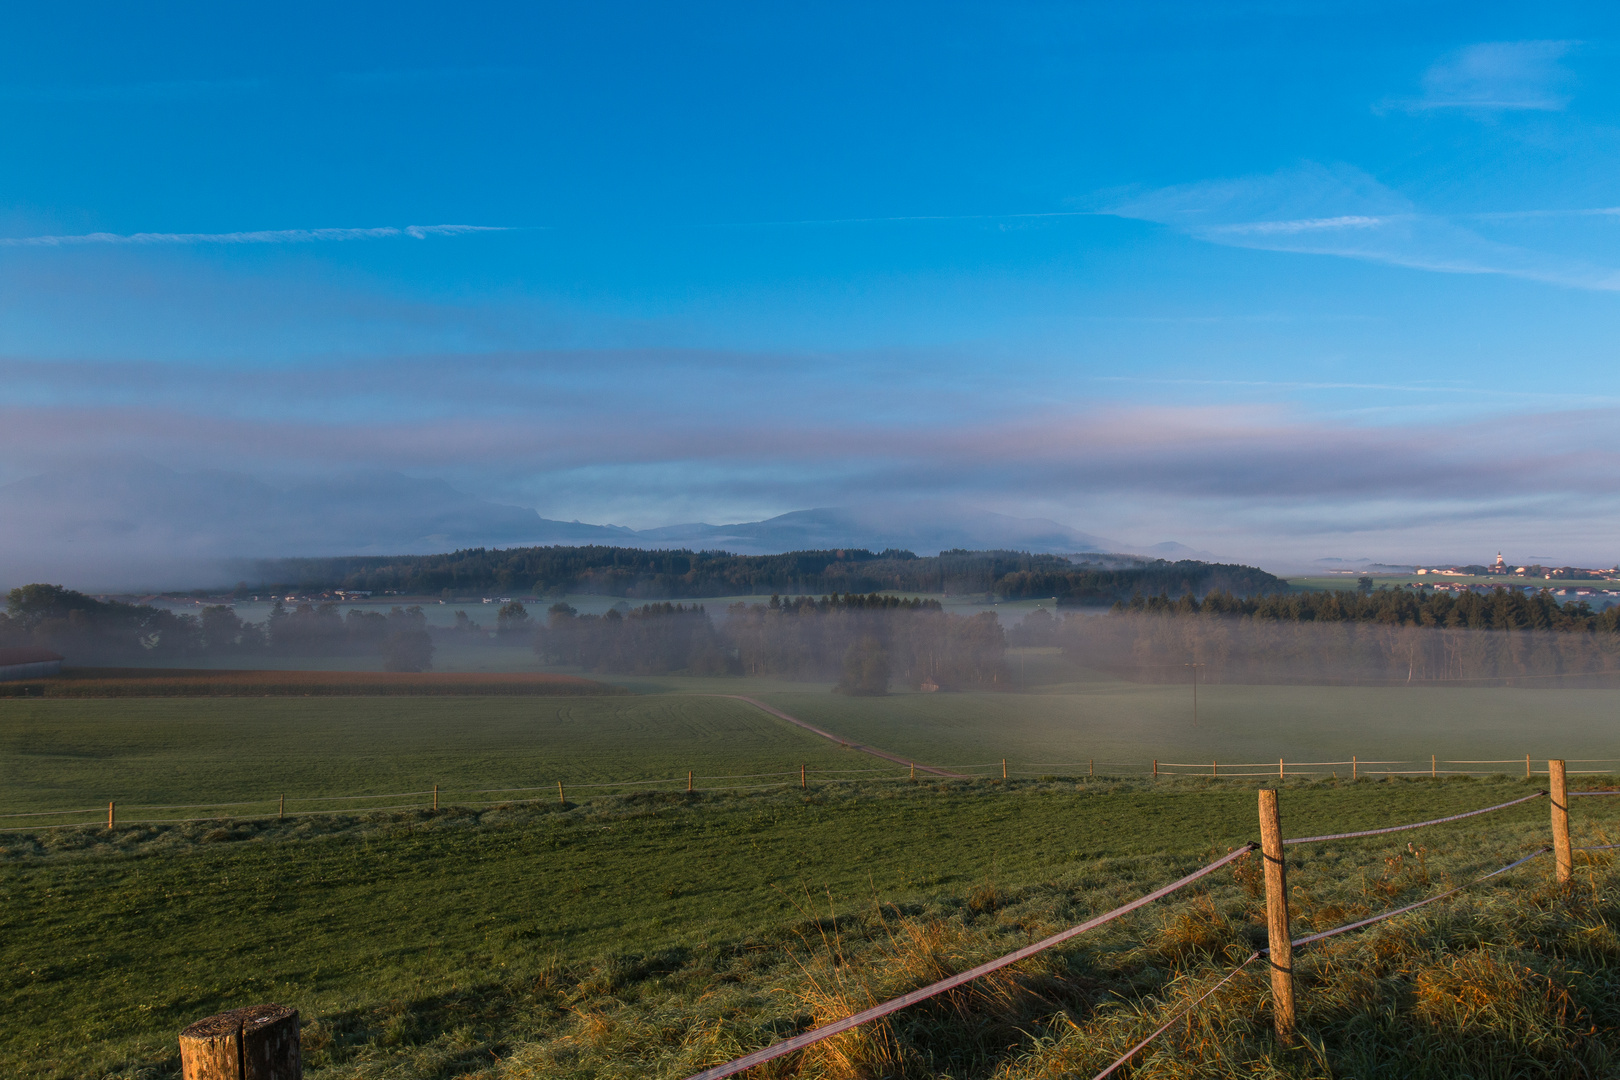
[
  {"x": 260, "y": 236},
  {"x": 641, "y": 462},
  {"x": 1499, "y": 75},
  {"x": 1340, "y": 210}
]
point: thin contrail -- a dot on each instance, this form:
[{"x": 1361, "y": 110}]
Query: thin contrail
[{"x": 262, "y": 236}]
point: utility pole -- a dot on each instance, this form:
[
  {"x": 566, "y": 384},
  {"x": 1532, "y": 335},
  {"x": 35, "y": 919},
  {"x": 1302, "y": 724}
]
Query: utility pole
[{"x": 1195, "y": 666}]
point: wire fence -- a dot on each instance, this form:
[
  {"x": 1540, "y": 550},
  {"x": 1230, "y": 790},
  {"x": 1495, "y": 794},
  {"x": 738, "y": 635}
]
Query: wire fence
[
  {"x": 284, "y": 806},
  {"x": 1276, "y": 898},
  {"x": 803, "y": 776}
]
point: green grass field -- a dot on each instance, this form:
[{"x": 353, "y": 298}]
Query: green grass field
[
  {"x": 645, "y": 935},
  {"x": 73, "y": 754},
  {"x": 348, "y": 918},
  {"x": 65, "y": 754}
]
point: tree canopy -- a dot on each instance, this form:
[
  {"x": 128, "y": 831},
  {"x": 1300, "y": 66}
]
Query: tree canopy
[{"x": 682, "y": 574}]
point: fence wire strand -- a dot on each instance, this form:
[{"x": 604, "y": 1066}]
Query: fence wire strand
[
  {"x": 1413, "y": 825},
  {"x": 826, "y": 1031},
  {"x": 1186, "y": 1009}
]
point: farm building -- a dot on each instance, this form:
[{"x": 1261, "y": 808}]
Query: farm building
[{"x": 28, "y": 662}]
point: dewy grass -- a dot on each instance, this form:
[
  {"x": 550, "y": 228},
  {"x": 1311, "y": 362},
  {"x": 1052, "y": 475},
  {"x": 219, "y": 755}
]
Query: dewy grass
[{"x": 655, "y": 934}]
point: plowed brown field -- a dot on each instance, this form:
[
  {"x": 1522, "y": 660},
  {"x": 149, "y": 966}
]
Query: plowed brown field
[{"x": 178, "y": 682}]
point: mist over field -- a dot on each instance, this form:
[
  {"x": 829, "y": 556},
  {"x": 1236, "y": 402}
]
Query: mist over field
[{"x": 555, "y": 540}]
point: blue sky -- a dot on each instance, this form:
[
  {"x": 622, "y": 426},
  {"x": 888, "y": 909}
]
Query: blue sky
[{"x": 1279, "y": 281}]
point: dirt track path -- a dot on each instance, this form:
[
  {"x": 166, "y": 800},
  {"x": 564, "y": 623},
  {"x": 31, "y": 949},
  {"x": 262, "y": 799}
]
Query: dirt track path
[{"x": 850, "y": 743}]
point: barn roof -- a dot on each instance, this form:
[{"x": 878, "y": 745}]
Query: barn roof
[{"x": 26, "y": 654}]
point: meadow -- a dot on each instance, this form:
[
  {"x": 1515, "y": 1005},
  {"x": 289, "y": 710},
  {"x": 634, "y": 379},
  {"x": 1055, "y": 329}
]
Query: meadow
[
  {"x": 631, "y": 934},
  {"x": 65, "y": 754},
  {"x": 414, "y": 942},
  {"x": 73, "y": 753}
]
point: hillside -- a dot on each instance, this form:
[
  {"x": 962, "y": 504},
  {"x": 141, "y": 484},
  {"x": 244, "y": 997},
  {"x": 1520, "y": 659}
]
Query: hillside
[{"x": 681, "y": 573}]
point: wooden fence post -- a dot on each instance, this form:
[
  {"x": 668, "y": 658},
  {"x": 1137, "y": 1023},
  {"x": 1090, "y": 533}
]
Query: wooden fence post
[
  {"x": 1155, "y": 768},
  {"x": 258, "y": 1043},
  {"x": 435, "y": 796},
  {"x": 1559, "y": 785},
  {"x": 281, "y": 808},
  {"x": 1280, "y": 773},
  {"x": 1527, "y": 766},
  {"x": 802, "y": 784},
  {"x": 560, "y": 800},
  {"x": 1432, "y": 774},
  {"x": 688, "y": 780},
  {"x": 1353, "y": 766},
  {"x": 913, "y": 772},
  {"x": 1282, "y": 946},
  {"x": 1214, "y": 768},
  {"x": 109, "y": 815},
  {"x": 1004, "y": 768},
  {"x": 1091, "y": 766}
]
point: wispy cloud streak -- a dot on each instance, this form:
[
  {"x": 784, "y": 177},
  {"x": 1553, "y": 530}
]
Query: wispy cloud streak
[
  {"x": 1342, "y": 211},
  {"x": 1498, "y": 75},
  {"x": 259, "y": 236}
]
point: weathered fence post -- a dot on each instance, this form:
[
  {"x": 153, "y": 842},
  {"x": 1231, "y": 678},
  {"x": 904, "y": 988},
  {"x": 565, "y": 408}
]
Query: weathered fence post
[
  {"x": 1527, "y": 766},
  {"x": 1282, "y": 946},
  {"x": 1214, "y": 768},
  {"x": 802, "y": 784},
  {"x": 435, "y": 796},
  {"x": 281, "y": 808},
  {"x": 1155, "y": 768},
  {"x": 1559, "y": 787},
  {"x": 1280, "y": 773},
  {"x": 560, "y": 800},
  {"x": 913, "y": 772},
  {"x": 1432, "y": 774},
  {"x": 258, "y": 1043},
  {"x": 1004, "y": 768},
  {"x": 1091, "y": 766},
  {"x": 688, "y": 780},
  {"x": 109, "y": 815},
  {"x": 1354, "y": 763}
]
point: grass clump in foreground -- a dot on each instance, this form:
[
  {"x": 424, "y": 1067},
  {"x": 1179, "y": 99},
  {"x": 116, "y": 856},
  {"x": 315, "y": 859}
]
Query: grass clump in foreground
[{"x": 571, "y": 950}]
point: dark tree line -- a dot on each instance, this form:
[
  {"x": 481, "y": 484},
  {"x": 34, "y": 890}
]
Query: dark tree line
[
  {"x": 1499, "y": 609},
  {"x": 861, "y": 641},
  {"x": 91, "y": 632},
  {"x": 637, "y": 573},
  {"x": 1386, "y": 635},
  {"x": 1097, "y": 586}
]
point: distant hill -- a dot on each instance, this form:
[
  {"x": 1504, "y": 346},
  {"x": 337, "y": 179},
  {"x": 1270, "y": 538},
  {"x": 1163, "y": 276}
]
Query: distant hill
[
  {"x": 141, "y": 525},
  {"x": 925, "y": 527},
  {"x": 667, "y": 574}
]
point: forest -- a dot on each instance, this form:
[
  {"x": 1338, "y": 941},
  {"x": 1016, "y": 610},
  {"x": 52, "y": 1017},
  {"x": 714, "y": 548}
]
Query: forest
[
  {"x": 91, "y": 632},
  {"x": 1389, "y": 635},
  {"x": 862, "y": 642},
  {"x": 681, "y": 575}
]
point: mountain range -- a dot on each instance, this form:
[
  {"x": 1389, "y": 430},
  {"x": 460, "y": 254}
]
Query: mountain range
[{"x": 141, "y": 525}]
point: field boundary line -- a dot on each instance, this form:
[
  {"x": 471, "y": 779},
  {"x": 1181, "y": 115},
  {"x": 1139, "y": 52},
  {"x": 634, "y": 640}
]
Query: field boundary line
[
  {"x": 840, "y": 740},
  {"x": 826, "y": 1031},
  {"x": 57, "y": 813}
]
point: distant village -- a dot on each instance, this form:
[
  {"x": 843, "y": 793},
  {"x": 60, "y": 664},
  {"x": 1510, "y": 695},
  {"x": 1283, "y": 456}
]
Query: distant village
[{"x": 1534, "y": 572}]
